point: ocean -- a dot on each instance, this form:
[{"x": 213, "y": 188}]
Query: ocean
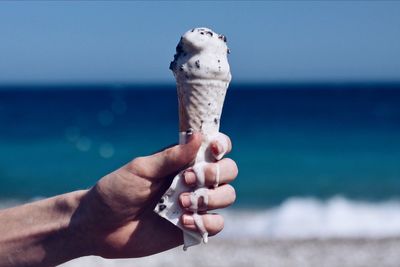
[{"x": 315, "y": 160}]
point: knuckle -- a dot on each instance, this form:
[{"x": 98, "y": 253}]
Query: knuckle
[
  {"x": 143, "y": 193},
  {"x": 138, "y": 167},
  {"x": 210, "y": 172},
  {"x": 227, "y": 140},
  {"x": 135, "y": 163},
  {"x": 169, "y": 153}
]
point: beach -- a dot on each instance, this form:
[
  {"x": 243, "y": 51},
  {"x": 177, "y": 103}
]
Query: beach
[{"x": 277, "y": 253}]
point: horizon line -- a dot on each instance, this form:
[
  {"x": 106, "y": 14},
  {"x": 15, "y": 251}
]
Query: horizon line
[{"x": 122, "y": 85}]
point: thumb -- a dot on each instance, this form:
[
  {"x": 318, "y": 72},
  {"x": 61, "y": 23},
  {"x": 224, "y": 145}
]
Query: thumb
[{"x": 168, "y": 161}]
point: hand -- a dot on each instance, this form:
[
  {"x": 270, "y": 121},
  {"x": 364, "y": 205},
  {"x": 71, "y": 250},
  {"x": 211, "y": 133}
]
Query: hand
[{"x": 118, "y": 210}]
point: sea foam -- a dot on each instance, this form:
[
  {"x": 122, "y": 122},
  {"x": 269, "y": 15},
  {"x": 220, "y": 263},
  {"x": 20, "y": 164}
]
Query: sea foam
[{"x": 303, "y": 218}]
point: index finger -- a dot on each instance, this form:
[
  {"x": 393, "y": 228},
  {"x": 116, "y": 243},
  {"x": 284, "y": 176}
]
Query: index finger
[{"x": 220, "y": 145}]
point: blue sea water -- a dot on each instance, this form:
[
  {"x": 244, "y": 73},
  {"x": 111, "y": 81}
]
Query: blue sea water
[
  {"x": 304, "y": 140},
  {"x": 316, "y": 143}
]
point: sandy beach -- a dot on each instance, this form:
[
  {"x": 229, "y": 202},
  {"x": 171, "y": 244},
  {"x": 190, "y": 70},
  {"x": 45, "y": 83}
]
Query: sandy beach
[{"x": 279, "y": 253}]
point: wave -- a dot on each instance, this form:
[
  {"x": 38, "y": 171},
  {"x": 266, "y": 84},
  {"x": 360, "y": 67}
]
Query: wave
[
  {"x": 9, "y": 203},
  {"x": 13, "y": 202},
  {"x": 305, "y": 218}
]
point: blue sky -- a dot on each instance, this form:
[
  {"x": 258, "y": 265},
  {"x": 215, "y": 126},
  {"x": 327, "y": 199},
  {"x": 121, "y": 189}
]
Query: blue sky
[{"x": 127, "y": 42}]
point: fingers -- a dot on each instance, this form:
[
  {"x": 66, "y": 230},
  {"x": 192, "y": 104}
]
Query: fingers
[
  {"x": 217, "y": 198},
  {"x": 220, "y": 145},
  {"x": 212, "y": 174},
  {"x": 213, "y": 223},
  {"x": 221, "y": 172},
  {"x": 168, "y": 161}
]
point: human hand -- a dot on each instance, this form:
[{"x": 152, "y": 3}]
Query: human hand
[{"x": 118, "y": 210}]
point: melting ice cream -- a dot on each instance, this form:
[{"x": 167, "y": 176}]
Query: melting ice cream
[{"x": 202, "y": 74}]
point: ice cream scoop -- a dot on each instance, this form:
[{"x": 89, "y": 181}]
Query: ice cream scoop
[{"x": 202, "y": 74}]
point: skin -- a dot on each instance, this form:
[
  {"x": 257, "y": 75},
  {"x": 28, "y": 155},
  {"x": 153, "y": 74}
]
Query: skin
[{"x": 115, "y": 218}]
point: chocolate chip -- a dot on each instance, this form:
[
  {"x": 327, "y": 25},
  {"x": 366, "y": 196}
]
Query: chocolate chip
[
  {"x": 222, "y": 37},
  {"x": 172, "y": 65},
  {"x": 179, "y": 51},
  {"x": 179, "y": 47},
  {"x": 161, "y": 207},
  {"x": 197, "y": 63}
]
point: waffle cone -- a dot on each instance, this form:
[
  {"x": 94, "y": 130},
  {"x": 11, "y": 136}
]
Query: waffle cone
[{"x": 200, "y": 104}]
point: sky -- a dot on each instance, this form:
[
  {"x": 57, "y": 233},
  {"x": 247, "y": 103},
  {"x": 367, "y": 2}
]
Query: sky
[{"x": 133, "y": 42}]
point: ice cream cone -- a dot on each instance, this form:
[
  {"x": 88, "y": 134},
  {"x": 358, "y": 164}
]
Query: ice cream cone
[{"x": 202, "y": 75}]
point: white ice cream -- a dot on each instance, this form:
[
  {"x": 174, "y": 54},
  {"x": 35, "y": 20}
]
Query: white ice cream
[
  {"x": 202, "y": 75},
  {"x": 201, "y": 54}
]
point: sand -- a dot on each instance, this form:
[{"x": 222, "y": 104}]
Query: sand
[{"x": 279, "y": 253}]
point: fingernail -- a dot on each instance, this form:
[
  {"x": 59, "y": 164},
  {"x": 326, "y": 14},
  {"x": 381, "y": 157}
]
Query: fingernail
[
  {"x": 187, "y": 220},
  {"x": 189, "y": 131},
  {"x": 185, "y": 200},
  {"x": 189, "y": 134},
  {"x": 190, "y": 177},
  {"x": 218, "y": 150}
]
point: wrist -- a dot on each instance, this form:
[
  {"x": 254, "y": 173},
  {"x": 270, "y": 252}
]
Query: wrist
[
  {"x": 75, "y": 230},
  {"x": 70, "y": 238},
  {"x": 90, "y": 223}
]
